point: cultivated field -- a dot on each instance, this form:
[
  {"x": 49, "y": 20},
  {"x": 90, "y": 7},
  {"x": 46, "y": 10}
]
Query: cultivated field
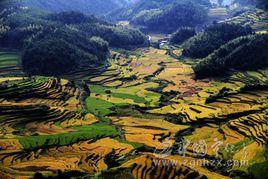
[{"x": 144, "y": 103}]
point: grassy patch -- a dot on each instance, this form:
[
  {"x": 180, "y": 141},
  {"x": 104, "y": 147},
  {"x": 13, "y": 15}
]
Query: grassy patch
[
  {"x": 237, "y": 147},
  {"x": 98, "y": 107},
  {"x": 98, "y": 89},
  {"x": 135, "y": 98},
  {"x": 82, "y": 133}
]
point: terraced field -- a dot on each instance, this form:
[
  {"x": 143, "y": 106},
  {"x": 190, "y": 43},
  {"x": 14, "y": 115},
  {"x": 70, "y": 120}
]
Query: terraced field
[
  {"x": 128, "y": 121},
  {"x": 9, "y": 64},
  {"x": 219, "y": 13},
  {"x": 257, "y": 19}
]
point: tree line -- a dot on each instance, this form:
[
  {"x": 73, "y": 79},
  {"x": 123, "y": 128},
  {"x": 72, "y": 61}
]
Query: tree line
[
  {"x": 243, "y": 53},
  {"x": 43, "y": 37}
]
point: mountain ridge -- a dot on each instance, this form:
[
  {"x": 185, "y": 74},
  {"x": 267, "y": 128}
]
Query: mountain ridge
[{"x": 96, "y": 7}]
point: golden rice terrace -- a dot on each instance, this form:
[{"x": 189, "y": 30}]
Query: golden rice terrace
[{"x": 145, "y": 116}]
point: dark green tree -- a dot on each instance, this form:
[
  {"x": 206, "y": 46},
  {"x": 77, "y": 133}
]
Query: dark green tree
[
  {"x": 182, "y": 35},
  {"x": 243, "y": 53},
  {"x": 204, "y": 43}
]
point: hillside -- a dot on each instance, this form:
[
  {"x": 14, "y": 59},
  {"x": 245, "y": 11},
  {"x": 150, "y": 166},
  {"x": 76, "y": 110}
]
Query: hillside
[
  {"x": 243, "y": 53},
  {"x": 171, "y": 14},
  {"x": 263, "y": 4},
  {"x": 96, "y": 7},
  {"x": 23, "y": 28},
  {"x": 205, "y": 42}
]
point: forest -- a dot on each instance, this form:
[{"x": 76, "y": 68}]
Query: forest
[
  {"x": 165, "y": 16},
  {"x": 212, "y": 38},
  {"x": 97, "y": 7},
  {"x": 182, "y": 34},
  {"x": 24, "y": 28},
  {"x": 171, "y": 18},
  {"x": 243, "y": 53}
]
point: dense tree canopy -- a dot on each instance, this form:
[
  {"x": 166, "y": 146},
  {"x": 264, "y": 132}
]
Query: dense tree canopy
[
  {"x": 164, "y": 16},
  {"x": 96, "y": 7},
  {"x": 3, "y": 28},
  {"x": 54, "y": 44},
  {"x": 116, "y": 36},
  {"x": 259, "y": 3},
  {"x": 243, "y": 53},
  {"x": 72, "y": 17},
  {"x": 171, "y": 18},
  {"x": 182, "y": 35},
  {"x": 49, "y": 57},
  {"x": 53, "y": 55},
  {"x": 25, "y": 24},
  {"x": 262, "y": 4},
  {"x": 212, "y": 38}
]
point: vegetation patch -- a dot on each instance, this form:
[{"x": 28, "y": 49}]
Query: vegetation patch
[
  {"x": 212, "y": 38},
  {"x": 10, "y": 64},
  {"x": 82, "y": 133},
  {"x": 259, "y": 170},
  {"x": 244, "y": 53},
  {"x": 98, "y": 106}
]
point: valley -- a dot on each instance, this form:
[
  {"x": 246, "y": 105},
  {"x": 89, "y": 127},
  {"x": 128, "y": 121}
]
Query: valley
[
  {"x": 124, "y": 89},
  {"x": 140, "y": 102}
]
